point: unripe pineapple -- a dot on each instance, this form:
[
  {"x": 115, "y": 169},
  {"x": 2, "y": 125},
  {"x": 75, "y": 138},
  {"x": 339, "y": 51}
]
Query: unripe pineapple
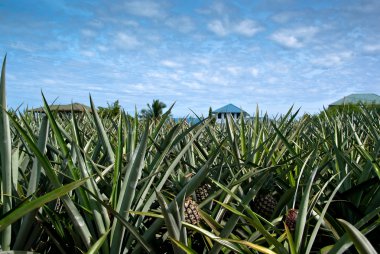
[
  {"x": 291, "y": 218},
  {"x": 264, "y": 205},
  {"x": 202, "y": 192},
  {"x": 178, "y": 182},
  {"x": 191, "y": 211}
]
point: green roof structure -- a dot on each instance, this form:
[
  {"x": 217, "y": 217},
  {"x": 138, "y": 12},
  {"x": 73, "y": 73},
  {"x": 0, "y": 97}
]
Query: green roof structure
[
  {"x": 77, "y": 108},
  {"x": 358, "y": 98}
]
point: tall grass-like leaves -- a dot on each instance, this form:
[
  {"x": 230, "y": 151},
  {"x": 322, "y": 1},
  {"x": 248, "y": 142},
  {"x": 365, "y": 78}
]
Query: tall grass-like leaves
[
  {"x": 344, "y": 242},
  {"x": 253, "y": 246},
  {"x": 360, "y": 241},
  {"x": 173, "y": 224},
  {"x": 29, "y": 206},
  {"x": 302, "y": 213},
  {"x": 102, "y": 223},
  {"x": 190, "y": 187},
  {"x": 183, "y": 247},
  {"x": 147, "y": 247},
  {"x": 243, "y": 142},
  {"x": 98, "y": 244},
  {"x": 127, "y": 191},
  {"x": 124, "y": 164},
  {"x": 173, "y": 164},
  {"x": 72, "y": 210},
  {"x": 6, "y": 159},
  {"x": 289, "y": 236},
  {"x": 118, "y": 164},
  {"x": 229, "y": 227},
  {"x": 219, "y": 240},
  {"x": 102, "y": 133},
  {"x": 32, "y": 187},
  {"x": 321, "y": 218}
]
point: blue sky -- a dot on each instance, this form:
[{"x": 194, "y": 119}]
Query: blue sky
[{"x": 274, "y": 53}]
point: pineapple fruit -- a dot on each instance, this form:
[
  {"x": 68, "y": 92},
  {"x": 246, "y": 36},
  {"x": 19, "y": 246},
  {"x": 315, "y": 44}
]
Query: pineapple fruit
[
  {"x": 202, "y": 192},
  {"x": 291, "y": 218},
  {"x": 190, "y": 205},
  {"x": 191, "y": 211},
  {"x": 264, "y": 205}
]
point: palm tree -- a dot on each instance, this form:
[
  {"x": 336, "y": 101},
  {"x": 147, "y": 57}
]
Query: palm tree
[
  {"x": 111, "y": 111},
  {"x": 153, "y": 111}
]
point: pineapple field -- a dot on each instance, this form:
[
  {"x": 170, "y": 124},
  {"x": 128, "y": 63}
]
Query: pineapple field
[{"x": 93, "y": 183}]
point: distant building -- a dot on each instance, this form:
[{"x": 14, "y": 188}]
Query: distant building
[
  {"x": 229, "y": 109},
  {"x": 76, "y": 107},
  {"x": 357, "y": 99}
]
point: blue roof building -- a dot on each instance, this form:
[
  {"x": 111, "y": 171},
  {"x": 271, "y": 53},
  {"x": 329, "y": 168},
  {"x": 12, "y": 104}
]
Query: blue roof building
[{"x": 229, "y": 109}]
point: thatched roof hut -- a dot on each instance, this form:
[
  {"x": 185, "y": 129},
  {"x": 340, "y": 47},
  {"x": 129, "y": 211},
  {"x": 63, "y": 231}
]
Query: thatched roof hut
[{"x": 77, "y": 108}]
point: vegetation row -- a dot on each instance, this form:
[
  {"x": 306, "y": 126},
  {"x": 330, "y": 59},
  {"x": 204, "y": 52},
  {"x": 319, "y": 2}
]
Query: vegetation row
[{"x": 115, "y": 183}]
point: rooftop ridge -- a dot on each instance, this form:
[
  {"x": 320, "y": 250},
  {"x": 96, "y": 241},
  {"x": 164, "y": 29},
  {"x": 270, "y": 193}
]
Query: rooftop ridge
[
  {"x": 230, "y": 108},
  {"x": 355, "y": 98}
]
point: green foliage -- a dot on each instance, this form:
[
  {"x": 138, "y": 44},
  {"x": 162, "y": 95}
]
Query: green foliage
[
  {"x": 351, "y": 109},
  {"x": 154, "y": 110},
  {"x": 110, "y": 183},
  {"x": 112, "y": 110}
]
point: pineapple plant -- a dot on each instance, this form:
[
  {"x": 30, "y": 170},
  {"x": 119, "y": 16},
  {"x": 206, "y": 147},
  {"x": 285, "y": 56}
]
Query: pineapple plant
[
  {"x": 339, "y": 136},
  {"x": 191, "y": 213}
]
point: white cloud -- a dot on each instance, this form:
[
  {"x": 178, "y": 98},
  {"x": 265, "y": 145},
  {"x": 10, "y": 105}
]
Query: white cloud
[
  {"x": 49, "y": 81},
  {"x": 247, "y": 28},
  {"x": 372, "y": 48},
  {"x": 149, "y": 9},
  {"x": 210, "y": 78},
  {"x": 22, "y": 46},
  {"x": 283, "y": 17},
  {"x": 244, "y": 27},
  {"x": 87, "y": 53},
  {"x": 239, "y": 70},
  {"x": 201, "y": 60},
  {"x": 164, "y": 76},
  {"x": 131, "y": 23},
  {"x": 254, "y": 71},
  {"x": 88, "y": 32},
  {"x": 171, "y": 64},
  {"x": 369, "y": 6},
  {"x": 102, "y": 48},
  {"x": 273, "y": 80},
  {"x": 96, "y": 23},
  {"x": 294, "y": 38},
  {"x": 333, "y": 59},
  {"x": 138, "y": 86},
  {"x": 124, "y": 40},
  {"x": 96, "y": 88},
  {"x": 183, "y": 24},
  {"x": 193, "y": 85},
  {"x": 217, "y": 27},
  {"x": 219, "y": 7},
  {"x": 234, "y": 70}
]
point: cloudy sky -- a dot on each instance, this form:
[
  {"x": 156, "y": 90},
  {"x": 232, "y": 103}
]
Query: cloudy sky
[{"x": 198, "y": 53}]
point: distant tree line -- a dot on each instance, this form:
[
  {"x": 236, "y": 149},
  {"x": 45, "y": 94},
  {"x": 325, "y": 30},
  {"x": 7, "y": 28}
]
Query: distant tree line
[{"x": 153, "y": 111}]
